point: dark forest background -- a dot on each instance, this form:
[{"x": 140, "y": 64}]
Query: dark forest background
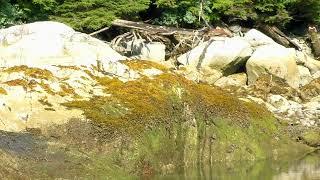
[{"x": 91, "y": 15}]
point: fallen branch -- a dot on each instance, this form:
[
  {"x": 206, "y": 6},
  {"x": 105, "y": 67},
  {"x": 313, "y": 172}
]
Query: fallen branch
[
  {"x": 278, "y": 36},
  {"x": 99, "y": 31}
]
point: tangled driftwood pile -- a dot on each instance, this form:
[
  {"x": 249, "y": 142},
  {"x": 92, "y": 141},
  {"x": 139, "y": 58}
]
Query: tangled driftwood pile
[{"x": 180, "y": 40}]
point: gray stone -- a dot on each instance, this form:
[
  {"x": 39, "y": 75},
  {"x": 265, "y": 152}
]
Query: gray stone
[
  {"x": 304, "y": 75},
  {"x": 276, "y": 60},
  {"x": 227, "y": 56},
  {"x": 257, "y": 38},
  {"x": 50, "y": 43}
]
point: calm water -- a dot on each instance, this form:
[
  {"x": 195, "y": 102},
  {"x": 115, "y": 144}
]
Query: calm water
[
  {"x": 307, "y": 168},
  {"x": 36, "y": 163}
]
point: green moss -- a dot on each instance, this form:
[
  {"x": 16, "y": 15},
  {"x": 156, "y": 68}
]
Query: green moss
[
  {"x": 156, "y": 100},
  {"x": 185, "y": 146},
  {"x": 29, "y": 85},
  {"x": 312, "y": 138},
  {"x": 36, "y": 73},
  {"x": 45, "y": 102},
  {"x": 3, "y": 91},
  {"x": 66, "y": 90},
  {"x": 46, "y": 88},
  {"x": 31, "y": 72},
  {"x": 141, "y": 65},
  {"x": 170, "y": 120}
]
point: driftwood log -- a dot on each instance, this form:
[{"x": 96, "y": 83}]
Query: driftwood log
[
  {"x": 167, "y": 31},
  {"x": 278, "y": 36},
  {"x": 315, "y": 41},
  {"x": 177, "y": 40},
  {"x": 160, "y": 30}
]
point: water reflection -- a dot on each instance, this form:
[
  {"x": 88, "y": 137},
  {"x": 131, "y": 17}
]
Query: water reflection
[{"x": 307, "y": 168}]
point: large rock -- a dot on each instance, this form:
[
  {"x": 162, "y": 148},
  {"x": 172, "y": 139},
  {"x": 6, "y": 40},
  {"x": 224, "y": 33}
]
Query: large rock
[
  {"x": 283, "y": 105},
  {"x": 305, "y": 60},
  {"x": 257, "y": 38},
  {"x": 276, "y": 60},
  {"x": 227, "y": 56},
  {"x": 50, "y": 43},
  {"x": 153, "y": 51},
  {"x": 305, "y": 76}
]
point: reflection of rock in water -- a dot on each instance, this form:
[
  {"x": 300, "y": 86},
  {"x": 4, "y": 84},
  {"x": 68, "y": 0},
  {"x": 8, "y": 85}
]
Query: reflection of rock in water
[
  {"x": 15, "y": 147},
  {"x": 306, "y": 169},
  {"x": 79, "y": 149}
]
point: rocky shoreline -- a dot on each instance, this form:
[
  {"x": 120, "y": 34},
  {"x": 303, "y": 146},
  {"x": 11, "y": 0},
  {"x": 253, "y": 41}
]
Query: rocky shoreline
[{"x": 226, "y": 100}]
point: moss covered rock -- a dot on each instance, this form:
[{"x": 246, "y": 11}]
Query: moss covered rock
[
  {"x": 312, "y": 137},
  {"x": 169, "y": 123},
  {"x": 144, "y": 126}
]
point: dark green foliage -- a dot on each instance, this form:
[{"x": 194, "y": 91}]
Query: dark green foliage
[
  {"x": 10, "y": 14},
  {"x": 259, "y": 11},
  {"x": 37, "y": 10},
  {"x": 21, "y": 11},
  {"x": 305, "y": 11},
  {"x": 185, "y": 13},
  {"x": 90, "y": 15},
  {"x": 271, "y": 11},
  {"x": 83, "y": 15}
]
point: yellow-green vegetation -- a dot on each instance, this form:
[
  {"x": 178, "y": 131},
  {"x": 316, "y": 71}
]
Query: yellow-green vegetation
[
  {"x": 312, "y": 137},
  {"x": 31, "y": 72},
  {"x": 166, "y": 123},
  {"x": 46, "y": 88},
  {"x": 36, "y": 73},
  {"x": 66, "y": 89},
  {"x": 171, "y": 120},
  {"x": 43, "y": 75},
  {"x": 29, "y": 85},
  {"x": 3, "y": 91},
  {"x": 139, "y": 65},
  {"x": 45, "y": 102},
  {"x": 157, "y": 100}
]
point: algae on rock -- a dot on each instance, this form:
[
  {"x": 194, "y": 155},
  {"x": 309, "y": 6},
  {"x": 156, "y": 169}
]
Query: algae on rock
[{"x": 192, "y": 127}]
